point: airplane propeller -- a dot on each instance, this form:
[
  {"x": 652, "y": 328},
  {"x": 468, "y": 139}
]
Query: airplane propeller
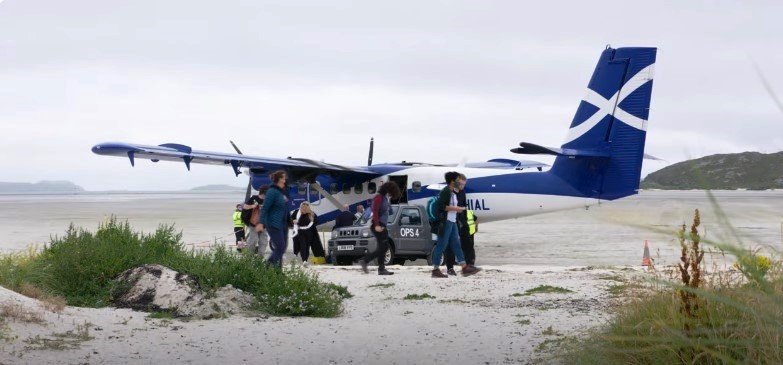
[
  {"x": 249, "y": 179},
  {"x": 369, "y": 158}
]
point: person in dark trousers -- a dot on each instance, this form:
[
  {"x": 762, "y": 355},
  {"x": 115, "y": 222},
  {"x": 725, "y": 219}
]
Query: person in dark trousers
[
  {"x": 381, "y": 208},
  {"x": 305, "y": 235},
  {"x": 239, "y": 227},
  {"x": 274, "y": 217},
  {"x": 467, "y": 223},
  {"x": 446, "y": 227},
  {"x": 344, "y": 218},
  {"x": 257, "y": 240}
]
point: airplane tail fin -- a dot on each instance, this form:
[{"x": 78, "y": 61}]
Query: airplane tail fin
[{"x": 603, "y": 151}]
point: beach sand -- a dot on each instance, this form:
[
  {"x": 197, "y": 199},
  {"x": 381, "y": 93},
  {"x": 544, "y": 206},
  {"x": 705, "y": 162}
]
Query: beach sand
[{"x": 476, "y": 319}]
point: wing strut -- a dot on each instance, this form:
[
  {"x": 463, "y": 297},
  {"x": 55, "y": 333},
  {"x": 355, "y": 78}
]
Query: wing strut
[{"x": 329, "y": 197}]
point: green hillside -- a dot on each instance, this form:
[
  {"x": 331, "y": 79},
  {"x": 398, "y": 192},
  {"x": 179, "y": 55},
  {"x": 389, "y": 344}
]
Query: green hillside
[{"x": 747, "y": 170}]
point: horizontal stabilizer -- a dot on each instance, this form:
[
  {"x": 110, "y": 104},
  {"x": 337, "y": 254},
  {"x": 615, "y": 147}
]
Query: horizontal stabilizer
[{"x": 534, "y": 149}]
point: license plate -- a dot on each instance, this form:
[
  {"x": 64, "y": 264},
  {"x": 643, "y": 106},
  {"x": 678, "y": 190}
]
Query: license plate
[{"x": 345, "y": 248}]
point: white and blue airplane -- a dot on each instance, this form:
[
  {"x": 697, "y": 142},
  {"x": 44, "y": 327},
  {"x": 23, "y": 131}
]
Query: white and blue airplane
[{"x": 601, "y": 158}]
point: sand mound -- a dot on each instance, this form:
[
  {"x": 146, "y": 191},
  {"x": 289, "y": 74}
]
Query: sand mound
[{"x": 158, "y": 288}]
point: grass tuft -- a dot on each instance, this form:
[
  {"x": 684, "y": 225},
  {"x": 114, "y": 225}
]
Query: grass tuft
[
  {"x": 418, "y": 296},
  {"x": 544, "y": 289},
  {"x": 381, "y": 285}
]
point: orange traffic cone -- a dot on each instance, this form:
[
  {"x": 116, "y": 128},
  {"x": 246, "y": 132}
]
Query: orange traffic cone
[{"x": 646, "y": 260}]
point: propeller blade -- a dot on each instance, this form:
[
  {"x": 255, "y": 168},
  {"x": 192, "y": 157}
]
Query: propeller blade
[
  {"x": 249, "y": 179},
  {"x": 369, "y": 158},
  {"x": 235, "y": 147}
]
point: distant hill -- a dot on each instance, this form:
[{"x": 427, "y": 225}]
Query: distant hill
[
  {"x": 747, "y": 170},
  {"x": 39, "y": 187},
  {"x": 218, "y": 187}
]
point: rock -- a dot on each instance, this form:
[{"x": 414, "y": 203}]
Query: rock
[{"x": 158, "y": 288}]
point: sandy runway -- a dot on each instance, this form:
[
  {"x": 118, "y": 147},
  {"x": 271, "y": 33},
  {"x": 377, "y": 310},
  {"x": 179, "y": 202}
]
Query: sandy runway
[{"x": 486, "y": 318}]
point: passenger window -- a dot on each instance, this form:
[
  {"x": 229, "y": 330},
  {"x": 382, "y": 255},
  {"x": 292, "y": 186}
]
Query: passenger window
[
  {"x": 416, "y": 186},
  {"x": 358, "y": 189},
  {"x": 346, "y": 189},
  {"x": 333, "y": 188},
  {"x": 301, "y": 189},
  {"x": 371, "y": 188},
  {"x": 410, "y": 216}
]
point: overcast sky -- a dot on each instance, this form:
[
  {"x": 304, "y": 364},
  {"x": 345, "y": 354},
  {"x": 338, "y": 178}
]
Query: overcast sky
[{"x": 436, "y": 81}]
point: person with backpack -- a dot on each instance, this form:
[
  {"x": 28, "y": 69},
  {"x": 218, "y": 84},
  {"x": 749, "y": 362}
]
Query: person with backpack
[
  {"x": 275, "y": 219},
  {"x": 381, "y": 209},
  {"x": 257, "y": 240},
  {"x": 239, "y": 228},
  {"x": 467, "y": 223},
  {"x": 446, "y": 208}
]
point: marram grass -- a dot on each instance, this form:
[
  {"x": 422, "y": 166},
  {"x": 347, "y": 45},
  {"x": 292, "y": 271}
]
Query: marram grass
[
  {"x": 81, "y": 266},
  {"x": 732, "y": 322}
]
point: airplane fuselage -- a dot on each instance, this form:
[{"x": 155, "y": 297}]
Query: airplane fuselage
[{"x": 494, "y": 194}]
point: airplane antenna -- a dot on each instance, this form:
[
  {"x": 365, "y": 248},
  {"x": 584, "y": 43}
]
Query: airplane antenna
[{"x": 369, "y": 158}]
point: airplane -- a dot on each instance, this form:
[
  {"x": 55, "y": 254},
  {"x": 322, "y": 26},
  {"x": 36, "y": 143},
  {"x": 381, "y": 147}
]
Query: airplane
[{"x": 601, "y": 158}]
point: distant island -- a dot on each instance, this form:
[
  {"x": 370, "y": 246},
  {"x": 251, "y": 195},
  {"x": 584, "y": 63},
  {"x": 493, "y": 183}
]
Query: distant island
[
  {"x": 40, "y": 187},
  {"x": 218, "y": 187},
  {"x": 746, "y": 170}
]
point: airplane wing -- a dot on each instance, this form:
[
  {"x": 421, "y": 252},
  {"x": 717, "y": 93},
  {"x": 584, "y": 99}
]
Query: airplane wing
[{"x": 298, "y": 168}]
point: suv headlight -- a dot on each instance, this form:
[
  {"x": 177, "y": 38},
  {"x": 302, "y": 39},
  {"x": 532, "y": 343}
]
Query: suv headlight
[
  {"x": 365, "y": 232},
  {"x": 334, "y": 233}
]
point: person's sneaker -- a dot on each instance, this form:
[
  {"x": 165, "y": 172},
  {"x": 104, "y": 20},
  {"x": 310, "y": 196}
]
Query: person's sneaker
[
  {"x": 436, "y": 273},
  {"x": 451, "y": 272},
  {"x": 470, "y": 270},
  {"x": 385, "y": 272},
  {"x": 364, "y": 266}
]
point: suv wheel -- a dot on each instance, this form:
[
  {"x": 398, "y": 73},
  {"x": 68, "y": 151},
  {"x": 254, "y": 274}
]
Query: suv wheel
[{"x": 388, "y": 257}]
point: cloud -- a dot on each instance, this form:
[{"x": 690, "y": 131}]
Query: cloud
[{"x": 430, "y": 81}]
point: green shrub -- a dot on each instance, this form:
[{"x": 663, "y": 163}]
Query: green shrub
[{"x": 81, "y": 266}]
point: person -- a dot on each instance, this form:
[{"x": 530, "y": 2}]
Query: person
[
  {"x": 274, "y": 217},
  {"x": 359, "y": 212},
  {"x": 239, "y": 227},
  {"x": 257, "y": 240},
  {"x": 381, "y": 208},
  {"x": 467, "y": 223},
  {"x": 344, "y": 219},
  {"x": 446, "y": 227},
  {"x": 305, "y": 235}
]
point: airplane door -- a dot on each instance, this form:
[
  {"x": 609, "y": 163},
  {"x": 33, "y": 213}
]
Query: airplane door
[{"x": 402, "y": 182}]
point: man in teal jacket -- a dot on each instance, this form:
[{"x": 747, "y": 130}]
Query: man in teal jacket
[{"x": 274, "y": 214}]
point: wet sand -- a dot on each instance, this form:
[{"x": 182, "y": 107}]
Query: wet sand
[{"x": 611, "y": 233}]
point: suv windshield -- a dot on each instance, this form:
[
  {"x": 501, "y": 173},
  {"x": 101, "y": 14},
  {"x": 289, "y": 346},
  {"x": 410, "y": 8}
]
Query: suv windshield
[{"x": 367, "y": 218}]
